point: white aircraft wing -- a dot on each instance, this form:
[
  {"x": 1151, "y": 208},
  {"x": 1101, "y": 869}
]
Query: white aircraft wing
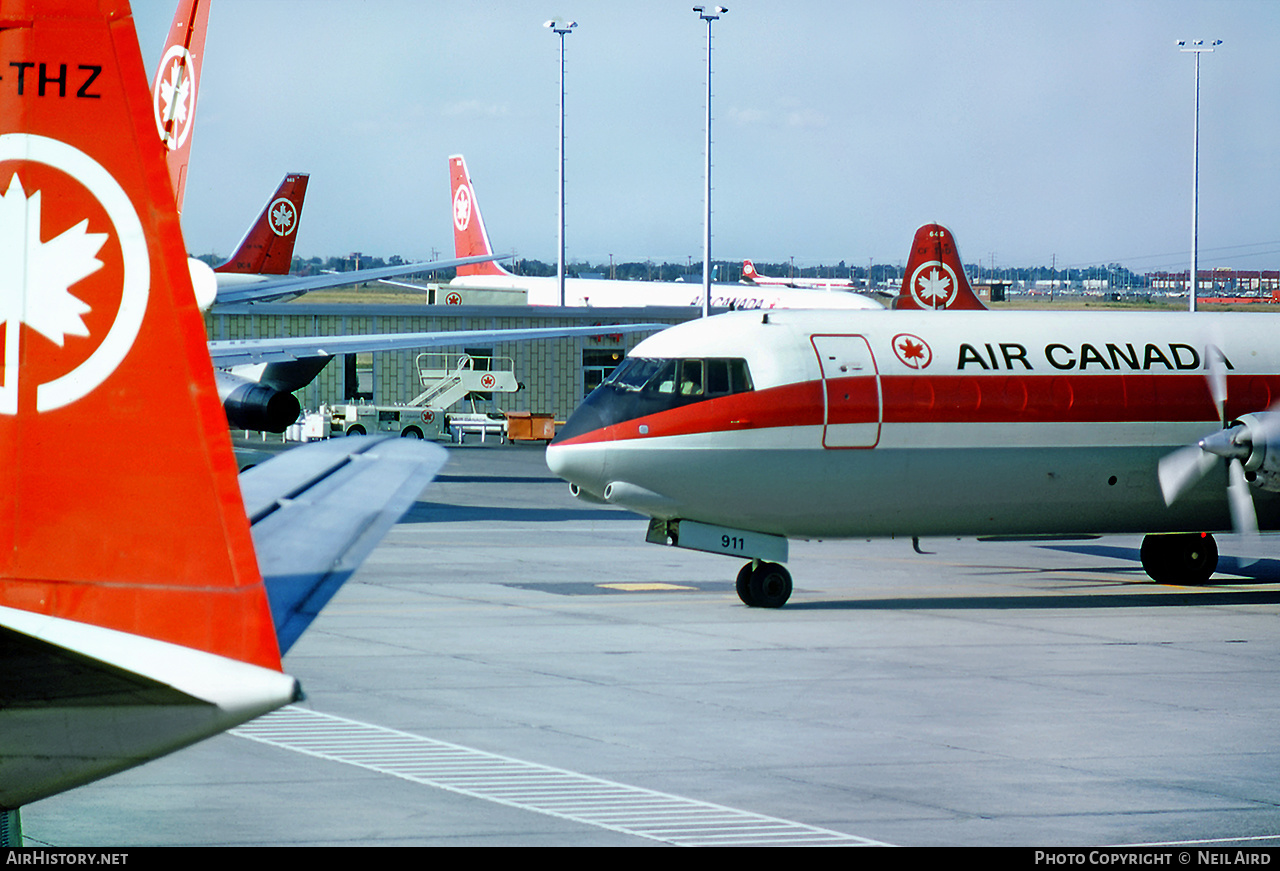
[
  {"x": 286, "y": 285},
  {"x": 239, "y": 352},
  {"x": 317, "y": 512}
]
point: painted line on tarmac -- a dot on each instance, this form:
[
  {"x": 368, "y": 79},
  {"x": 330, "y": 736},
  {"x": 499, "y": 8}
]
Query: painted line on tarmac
[{"x": 529, "y": 786}]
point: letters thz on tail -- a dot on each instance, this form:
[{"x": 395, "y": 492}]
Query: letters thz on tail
[{"x": 134, "y": 617}]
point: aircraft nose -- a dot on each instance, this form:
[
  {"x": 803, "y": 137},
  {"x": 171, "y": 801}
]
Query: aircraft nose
[{"x": 585, "y": 466}]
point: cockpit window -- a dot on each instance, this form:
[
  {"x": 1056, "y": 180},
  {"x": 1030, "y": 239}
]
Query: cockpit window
[
  {"x": 633, "y": 373},
  {"x": 691, "y": 379},
  {"x": 643, "y": 386}
]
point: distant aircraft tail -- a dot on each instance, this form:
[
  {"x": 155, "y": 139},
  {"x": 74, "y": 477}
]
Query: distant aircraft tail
[
  {"x": 934, "y": 277},
  {"x": 749, "y": 271},
  {"x": 173, "y": 94},
  {"x": 470, "y": 238},
  {"x": 267, "y": 249}
]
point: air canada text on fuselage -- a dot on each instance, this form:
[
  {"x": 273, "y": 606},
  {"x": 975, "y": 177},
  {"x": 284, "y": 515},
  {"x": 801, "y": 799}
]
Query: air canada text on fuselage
[{"x": 1109, "y": 356}]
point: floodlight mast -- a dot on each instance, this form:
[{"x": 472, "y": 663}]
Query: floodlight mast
[
  {"x": 1196, "y": 47},
  {"x": 561, "y": 28},
  {"x": 708, "y": 16}
]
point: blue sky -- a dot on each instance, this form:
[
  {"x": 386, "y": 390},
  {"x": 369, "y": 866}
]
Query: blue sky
[{"x": 1031, "y": 129}]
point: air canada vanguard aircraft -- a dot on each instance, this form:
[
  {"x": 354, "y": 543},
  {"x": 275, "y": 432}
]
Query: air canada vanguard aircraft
[{"x": 738, "y": 432}]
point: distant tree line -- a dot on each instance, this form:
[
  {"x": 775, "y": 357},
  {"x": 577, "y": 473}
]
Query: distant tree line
[{"x": 731, "y": 270}]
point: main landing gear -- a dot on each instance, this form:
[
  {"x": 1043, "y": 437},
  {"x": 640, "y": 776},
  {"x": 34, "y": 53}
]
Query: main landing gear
[
  {"x": 764, "y": 585},
  {"x": 1187, "y": 558}
]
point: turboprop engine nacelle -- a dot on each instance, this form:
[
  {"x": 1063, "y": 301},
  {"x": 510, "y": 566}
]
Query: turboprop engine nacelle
[
  {"x": 1250, "y": 440},
  {"x": 1262, "y": 469},
  {"x": 253, "y": 405}
]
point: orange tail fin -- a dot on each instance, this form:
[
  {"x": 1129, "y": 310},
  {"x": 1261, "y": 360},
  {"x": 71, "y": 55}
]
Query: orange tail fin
[
  {"x": 934, "y": 276},
  {"x": 177, "y": 79},
  {"x": 749, "y": 270},
  {"x": 470, "y": 239},
  {"x": 267, "y": 249},
  {"x": 102, "y": 330}
]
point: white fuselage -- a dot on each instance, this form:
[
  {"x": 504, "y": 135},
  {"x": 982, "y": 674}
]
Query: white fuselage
[
  {"x": 801, "y": 283},
  {"x": 606, "y": 293},
  {"x": 900, "y": 423}
]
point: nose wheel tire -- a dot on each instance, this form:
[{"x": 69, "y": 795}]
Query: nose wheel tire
[
  {"x": 1180, "y": 558},
  {"x": 764, "y": 585}
]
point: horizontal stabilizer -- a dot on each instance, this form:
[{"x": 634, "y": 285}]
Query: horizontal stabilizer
[
  {"x": 318, "y": 510},
  {"x": 79, "y": 702}
]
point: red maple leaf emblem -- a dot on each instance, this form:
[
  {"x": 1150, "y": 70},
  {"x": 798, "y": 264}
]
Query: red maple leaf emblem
[{"x": 912, "y": 351}]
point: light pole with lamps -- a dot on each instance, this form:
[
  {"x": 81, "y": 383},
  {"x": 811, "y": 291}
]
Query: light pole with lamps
[
  {"x": 561, "y": 28},
  {"x": 708, "y": 16},
  {"x": 1197, "y": 48}
]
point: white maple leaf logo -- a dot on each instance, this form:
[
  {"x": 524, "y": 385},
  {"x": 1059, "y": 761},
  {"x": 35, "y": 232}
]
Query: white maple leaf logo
[
  {"x": 462, "y": 208},
  {"x": 282, "y": 217},
  {"x": 35, "y": 276},
  {"x": 934, "y": 287},
  {"x": 176, "y": 92}
]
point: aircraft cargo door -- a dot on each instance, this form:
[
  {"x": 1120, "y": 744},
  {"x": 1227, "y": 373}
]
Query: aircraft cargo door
[{"x": 850, "y": 390}]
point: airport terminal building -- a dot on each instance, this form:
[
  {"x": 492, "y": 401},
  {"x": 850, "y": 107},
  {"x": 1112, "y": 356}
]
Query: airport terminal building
[{"x": 555, "y": 373}]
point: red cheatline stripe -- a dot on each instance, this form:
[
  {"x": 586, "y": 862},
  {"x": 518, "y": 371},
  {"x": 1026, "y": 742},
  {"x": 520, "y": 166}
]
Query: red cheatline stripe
[{"x": 1058, "y": 398}]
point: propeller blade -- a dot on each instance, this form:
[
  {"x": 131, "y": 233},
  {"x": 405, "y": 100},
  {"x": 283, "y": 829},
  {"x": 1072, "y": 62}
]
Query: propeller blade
[
  {"x": 1217, "y": 376},
  {"x": 1180, "y": 470},
  {"x": 1243, "y": 517}
]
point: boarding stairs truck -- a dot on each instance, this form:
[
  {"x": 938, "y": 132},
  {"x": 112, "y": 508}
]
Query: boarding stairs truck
[{"x": 445, "y": 379}]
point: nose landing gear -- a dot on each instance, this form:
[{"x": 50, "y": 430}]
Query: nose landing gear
[{"x": 764, "y": 585}]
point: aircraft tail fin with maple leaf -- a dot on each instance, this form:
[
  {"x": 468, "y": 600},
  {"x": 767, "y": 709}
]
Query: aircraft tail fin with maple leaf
[
  {"x": 934, "y": 277},
  {"x": 267, "y": 249},
  {"x": 470, "y": 238},
  {"x": 749, "y": 271},
  {"x": 173, "y": 93},
  {"x": 137, "y": 610}
]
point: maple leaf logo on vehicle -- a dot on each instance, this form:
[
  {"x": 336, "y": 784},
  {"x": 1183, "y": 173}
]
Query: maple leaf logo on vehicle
[
  {"x": 35, "y": 276},
  {"x": 934, "y": 287}
]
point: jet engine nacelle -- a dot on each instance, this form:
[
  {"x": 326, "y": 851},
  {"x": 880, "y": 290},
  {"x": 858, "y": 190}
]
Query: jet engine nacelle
[
  {"x": 204, "y": 282},
  {"x": 256, "y": 406},
  {"x": 1262, "y": 467}
]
